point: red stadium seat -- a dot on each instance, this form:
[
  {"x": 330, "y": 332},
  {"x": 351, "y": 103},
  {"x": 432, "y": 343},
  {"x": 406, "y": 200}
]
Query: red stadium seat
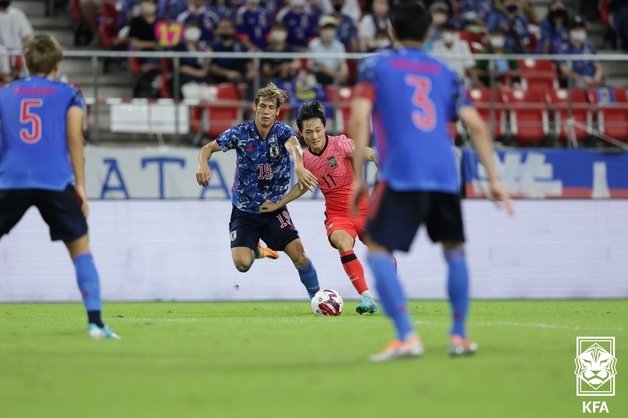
[
  {"x": 528, "y": 115},
  {"x": 108, "y": 28},
  {"x": 227, "y": 110},
  {"x": 613, "y": 114},
  {"x": 75, "y": 10},
  {"x": 579, "y": 104},
  {"x": 474, "y": 39},
  {"x": 491, "y": 108},
  {"x": 340, "y": 96},
  {"x": 538, "y": 74}
]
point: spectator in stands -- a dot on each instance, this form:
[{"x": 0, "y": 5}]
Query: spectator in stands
[
  {"x": 15, "y": 28},
  {"x": 349, "y": 8},
  {"x": 507, "y": 16},
  {"x": 347, "y": 31},
  {"x": 476, "y": 10},
  {"x": 503, "y": 71},
  {"x": 305, "y": 88},
  {"x": 457, "y": 53},
  {"x": 371, "y": 22},
  {"x": 278, "y": 69},
  {"x": 440, "y": 14},
  {"x": 170, "y": 9},
  {"x": 192, "y": 69},
  {"x": 301, "y": 24},
  {"x": 90, "y": 12},
  {"x": 328, "y": 70},
  {"x": 205, "y": 19},
  {"x": 382, "y": 41},
  {"x": 142, "y": 34},
  {"x": 229, "y": 69},
  {"x": 225, "y": 9},
  {"x": 253, "y": 22},
  {"x": 527, "y": 9},
  {"x": 553, "y": 29},
  {"x": 619, "y": 12},
  {"x": 5, "y": 66},
  {"x": 584, "y": 73}
]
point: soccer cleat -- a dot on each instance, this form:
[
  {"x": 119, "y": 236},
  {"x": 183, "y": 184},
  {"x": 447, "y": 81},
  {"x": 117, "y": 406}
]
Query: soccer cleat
[
  {"x": 412, "y": 347},
  {"x": 366, "y": 305},
  {"x": 265, "y": 252},
  {"x": 459, "y": 346},
  {"x": 105, "y": 333}
]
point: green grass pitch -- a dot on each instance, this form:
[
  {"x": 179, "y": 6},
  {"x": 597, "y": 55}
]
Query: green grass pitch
[{"x": 275, "y": 359}]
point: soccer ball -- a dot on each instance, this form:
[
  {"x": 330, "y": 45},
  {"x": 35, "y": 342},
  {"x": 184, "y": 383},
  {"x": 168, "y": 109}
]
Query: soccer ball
[{"x": 327, "y": 302}]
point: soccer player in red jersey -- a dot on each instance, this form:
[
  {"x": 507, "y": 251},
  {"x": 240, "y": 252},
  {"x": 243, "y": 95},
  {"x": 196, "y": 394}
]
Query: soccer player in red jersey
[{"x": 329, "y": 159}]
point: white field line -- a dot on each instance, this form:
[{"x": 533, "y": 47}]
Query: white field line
[{"x": 539, "y": 325}]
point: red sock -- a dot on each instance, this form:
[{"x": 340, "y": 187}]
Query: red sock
[{"x": 354, "y": 270}]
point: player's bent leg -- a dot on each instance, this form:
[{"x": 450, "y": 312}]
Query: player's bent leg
[
  {"x": 243, "y": 258},
  {"x": 89, "y": 285},
  {"x": 458, "y": 292},
  {"x": 307, "y": 272}
]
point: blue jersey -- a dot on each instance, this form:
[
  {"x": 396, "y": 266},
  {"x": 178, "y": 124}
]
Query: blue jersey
[
  {"x": 582, "y": 67},
  {"x": 263, "y": 168},
  {"x": 254, "y": 25},
  {"x": 414, "y": 96},
  {"x": 33, "y": 140},
  {"x": 301, "y": 26}
]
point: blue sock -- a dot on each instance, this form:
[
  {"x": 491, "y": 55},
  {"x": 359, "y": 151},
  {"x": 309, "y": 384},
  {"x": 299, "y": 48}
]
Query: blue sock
[
  {"x": 88, "y": 281},
  {"x": 458, "y": 289},
  {"x": 309, "y": 278},
  {"x": 391, "y": 293}
]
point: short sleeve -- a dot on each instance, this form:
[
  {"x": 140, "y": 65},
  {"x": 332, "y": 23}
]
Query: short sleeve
[
  {"x": 78, "y": 100},
  {"x": 365, "y": 87},
  {"x": 460, "y": 98},
  {"x": 284, "y": 133},
  {"x": 345, "y": 145},
  {"x": 228, "y": 139}
]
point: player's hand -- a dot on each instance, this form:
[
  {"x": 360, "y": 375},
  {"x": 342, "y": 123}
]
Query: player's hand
[
  {"x": 358, "y": 191},
  {"x": 306, "y": 179},
  {"x": 80, "y": 192},
  {"x": 203, "y": 174},
  {"x": 269, "y": 206},
  {"x": 499, "y": 195}
]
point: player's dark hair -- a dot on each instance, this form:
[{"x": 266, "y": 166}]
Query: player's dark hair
[
  {"x": 42, "y": 54},
  {"x": 310, "y": 110},
  {"x": 410, "y": 21}
]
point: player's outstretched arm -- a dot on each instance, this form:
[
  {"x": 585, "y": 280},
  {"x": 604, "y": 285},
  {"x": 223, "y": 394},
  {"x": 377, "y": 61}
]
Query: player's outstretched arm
[
  {"x": 294, "y": 193},
  {"x": 305, "y": 179},
  {"x": 204, "y": 173},
  {"x": 359, "y": 130},
  {"x": 77, "y": 153},
  {"x": 481, "y": 140}
]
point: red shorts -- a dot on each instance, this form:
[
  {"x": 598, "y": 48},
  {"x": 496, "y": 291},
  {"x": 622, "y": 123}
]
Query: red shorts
[{"x": 353, "y": 226}]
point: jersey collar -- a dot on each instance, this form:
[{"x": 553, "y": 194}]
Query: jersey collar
[{"x": 324, "y": 147}]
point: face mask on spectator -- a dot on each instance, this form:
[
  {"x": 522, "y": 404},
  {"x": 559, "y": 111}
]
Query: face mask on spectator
[
  {"x": 439, "y": 18},
  {"x": 148, "y": 7},
  {"x": 497, "y": 41},
  {"x": 512, "y": 8},
  {"x": 328, "y": 34},
  {"x": 578, "y": 35},
  {"x": 278, "y": 36},
  {"x": 449, "y": 37},
  {"x": 192, "y": 34}
]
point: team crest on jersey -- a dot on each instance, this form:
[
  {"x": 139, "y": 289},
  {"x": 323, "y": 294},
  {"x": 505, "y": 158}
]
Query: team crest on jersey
[
  {"x": 332, "y": 161},
  {"x": 234, "y": 235},
  {"x": 274, "y": 151}
]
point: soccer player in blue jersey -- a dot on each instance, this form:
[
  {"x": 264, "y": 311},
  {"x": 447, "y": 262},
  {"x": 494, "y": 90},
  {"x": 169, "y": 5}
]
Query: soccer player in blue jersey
[
  {"x": 410, "y": 97},
  {"x": 42, "y": 161},
  {"x": 264, "y": 148}
]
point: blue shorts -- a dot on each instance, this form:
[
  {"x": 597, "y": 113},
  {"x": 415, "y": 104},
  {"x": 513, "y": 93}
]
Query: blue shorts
[
  {"x": 276, "y": 229},
  {"x": 394, "y": 217},
  {"x": 61, "y": 210}
]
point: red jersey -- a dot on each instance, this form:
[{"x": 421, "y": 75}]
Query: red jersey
[{"x": 333, "y": 169}]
